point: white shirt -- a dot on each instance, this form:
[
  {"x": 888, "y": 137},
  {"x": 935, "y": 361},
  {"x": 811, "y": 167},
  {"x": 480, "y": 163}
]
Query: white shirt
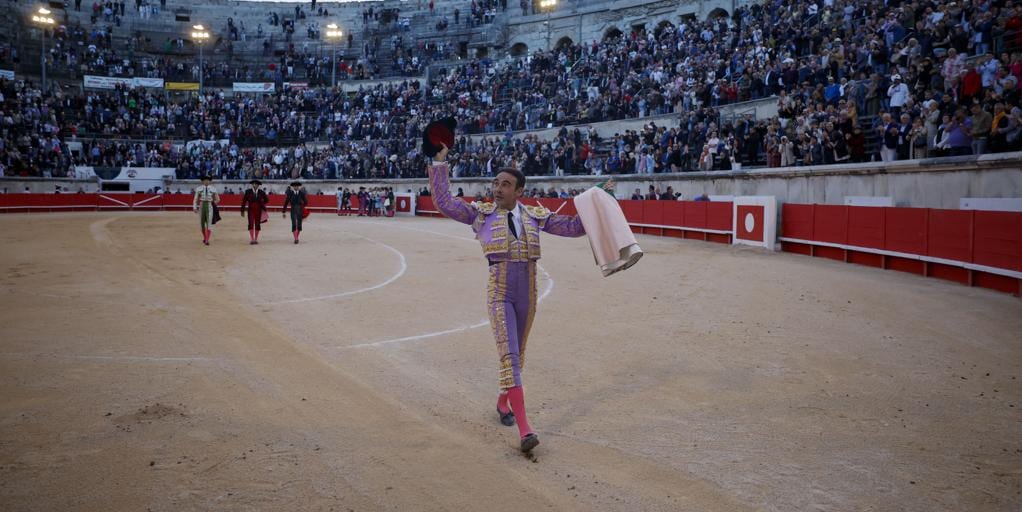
[
  {"x": 516, "y": 216},
  {"x": 898, "y": 93}
]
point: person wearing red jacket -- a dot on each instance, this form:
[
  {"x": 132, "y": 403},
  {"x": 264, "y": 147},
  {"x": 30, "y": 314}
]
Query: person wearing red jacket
[
  {"x": 972, "y": 84},
  {"x": 254, "y": 201}
]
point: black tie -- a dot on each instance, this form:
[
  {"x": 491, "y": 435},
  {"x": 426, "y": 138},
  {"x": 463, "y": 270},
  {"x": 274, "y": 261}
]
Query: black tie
[{"x": 511, "y": 225}]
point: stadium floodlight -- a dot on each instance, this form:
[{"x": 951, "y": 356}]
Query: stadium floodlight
[
  {"x": 548, "y": 6},
  {"x": 333, "y": 33},
  {"x": 43, "y": 19},
  {"x": 199, "y": 37}
]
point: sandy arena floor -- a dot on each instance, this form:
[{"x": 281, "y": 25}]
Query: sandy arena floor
[{"x": 140, "y": 370}]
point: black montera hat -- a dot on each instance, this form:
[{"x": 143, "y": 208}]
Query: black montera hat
[
  {"x": 437, "y": 134},
  {"x": 255, "y": 182}
]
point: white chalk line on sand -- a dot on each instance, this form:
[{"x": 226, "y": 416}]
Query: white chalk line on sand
[
  {"x": 395, "y": 277},
  {"x": 546, "y": 291}
]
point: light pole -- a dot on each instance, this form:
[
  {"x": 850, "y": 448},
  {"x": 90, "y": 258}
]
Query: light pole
[
  {"x": 199, "y": 36},
  {"x": 43, "y": 19},
  {"x": 548, "y": 6},
  {"x": 333, "y": 34}
]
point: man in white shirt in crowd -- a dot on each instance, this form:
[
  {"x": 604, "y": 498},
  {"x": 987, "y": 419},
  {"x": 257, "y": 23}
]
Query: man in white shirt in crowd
[{"x": 898, "y": 93}]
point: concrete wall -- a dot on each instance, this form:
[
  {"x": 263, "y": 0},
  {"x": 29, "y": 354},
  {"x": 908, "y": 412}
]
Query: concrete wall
[
  {"x": 764, "y": 108},
  {"x": 590, "y": 21},
  {"x": 605, "y": 130},
  {"x": 933, "y": 183}
]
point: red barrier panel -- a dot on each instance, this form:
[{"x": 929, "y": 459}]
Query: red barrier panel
[
  {"x": 998, "y": 239},
  {"x": 424, "y": 203},
  {"x": 949, "y": 235},
  {"x": 552, "y": 204},
  {"x": 177, "y": 201},
  {"x": 830, "y": 223},
  {"x": 569, "y": 208},
  {"x": 719, "y": 215},
  {"x": 905, "y": 230},
  {"x": 653, "y": 212},
  {"x": 797, "y": 221},
  {"x": 866, "y": 227},
  {"x": 230, "y": 201},
  {"x": 75, "y": 202},
  {"x": 146, "y": 201},
  {"x": 22, "y": 203},
  {"x": 632, "y": 210},
  {"x": 695, "y": 214},
  {"x": 320, "y": 203},
  {"x": 674, "y": 213},
  {"x": 936, "y": 243}
]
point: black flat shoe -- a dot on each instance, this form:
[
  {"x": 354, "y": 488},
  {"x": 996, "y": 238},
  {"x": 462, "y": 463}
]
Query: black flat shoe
[
  {"x": 529, "y": 442},
  {"x": 506, "y": 418}
]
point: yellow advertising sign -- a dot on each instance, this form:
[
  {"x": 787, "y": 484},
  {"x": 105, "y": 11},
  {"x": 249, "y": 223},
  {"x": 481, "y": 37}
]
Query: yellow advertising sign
[{"x": 182, "y": 86}]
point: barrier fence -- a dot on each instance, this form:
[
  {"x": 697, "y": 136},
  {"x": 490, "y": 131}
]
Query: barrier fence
[
  {"x": 24, "y": 203},
  {"x": 702, "y": 220},
  {"x": 971, "y": 247}
]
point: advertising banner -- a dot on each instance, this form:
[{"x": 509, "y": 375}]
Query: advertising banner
[{"x": 254, "y": 86}]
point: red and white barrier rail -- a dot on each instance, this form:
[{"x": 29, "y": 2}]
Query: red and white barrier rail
[
  {"x": 105, "y": 201},
  {"x": 701, "y": 220},
  {"x": 972, "y": 247}
]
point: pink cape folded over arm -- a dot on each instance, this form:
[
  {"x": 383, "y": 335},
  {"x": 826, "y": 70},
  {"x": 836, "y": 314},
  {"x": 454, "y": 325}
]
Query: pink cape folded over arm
[{"x": 610, "y": 237}]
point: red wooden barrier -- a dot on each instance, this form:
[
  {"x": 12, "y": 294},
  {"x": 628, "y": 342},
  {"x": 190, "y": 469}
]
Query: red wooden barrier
[
  {"x": 978, "y": 248},
  {"x": 718, "y": 215},
  {"x": 950, "y": 235},
  {"x": 695, "y": 214},
  {"x": 797, "y": 221},
  {"x": 998, "y": 239},
  {"x": 866, "y": 227}
]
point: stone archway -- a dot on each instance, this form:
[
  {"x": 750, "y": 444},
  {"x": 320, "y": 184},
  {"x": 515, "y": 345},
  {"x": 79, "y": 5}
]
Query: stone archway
[
  {"x": 564, "y": 42},
  {"x": 663, "y": 25},
  {"x": 519, "y": 50},
  {"x": 612, "y": 33},
  {"x": 717, "y": 13}
]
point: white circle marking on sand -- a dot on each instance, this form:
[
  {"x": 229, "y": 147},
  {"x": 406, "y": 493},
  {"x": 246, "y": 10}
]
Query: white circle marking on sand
[
  {"x": 395, "y": 277},
  {"x": 546, "y": 291}
]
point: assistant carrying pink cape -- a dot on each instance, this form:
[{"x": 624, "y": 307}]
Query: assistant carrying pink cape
[{"x": 610, "y": 237}]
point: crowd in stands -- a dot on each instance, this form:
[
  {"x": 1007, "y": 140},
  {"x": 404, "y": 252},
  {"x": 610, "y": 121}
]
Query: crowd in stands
[
  {"x": 917, "y": 79},
  {"x": 103, "y": 48}
]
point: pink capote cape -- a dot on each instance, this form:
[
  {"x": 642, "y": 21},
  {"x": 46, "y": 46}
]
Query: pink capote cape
[{"x": 612, "y": 241}]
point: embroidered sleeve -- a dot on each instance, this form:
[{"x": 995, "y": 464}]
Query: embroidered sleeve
[
  {"x": 452, "y": 207},
  {"x": 564, "y": 225}
]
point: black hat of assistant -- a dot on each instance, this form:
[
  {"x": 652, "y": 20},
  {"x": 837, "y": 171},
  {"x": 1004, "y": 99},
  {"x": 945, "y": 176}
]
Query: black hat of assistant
[
  {"x": 295, "y": 184},
  {"x": 255, "y": 182},
  {"x": 206, "y": 178},
  {"x": 436, "y": 134}
]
